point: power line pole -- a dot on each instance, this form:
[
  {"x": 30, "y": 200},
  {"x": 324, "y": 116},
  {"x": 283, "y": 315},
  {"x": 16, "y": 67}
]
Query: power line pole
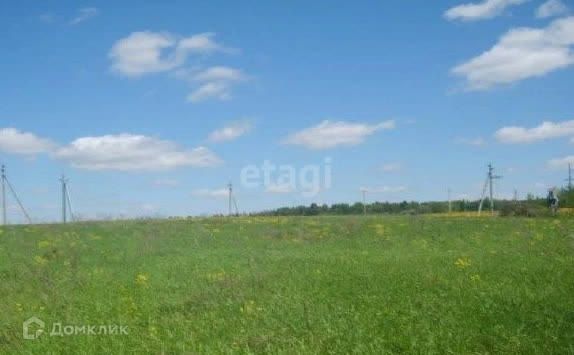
[
  {"x": 69, "y": 199},
  {"x": 6, "y": 182},
  {"x": 492, "y": 177},
  {"x": 489, "y": 183},
  {"x": 232, "y": 201},
  {"x": 4, "y": 221},
  {"x": 449, "y": 202},
  {"x": 230, "y": 187},
  {"x": 64, "y": 198},
  {"x": 569, "y": 177},
  {"x": 364, "y": 192}
]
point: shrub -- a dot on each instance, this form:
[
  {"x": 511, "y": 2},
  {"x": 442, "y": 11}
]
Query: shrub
[{"x": 522, "y": 209}]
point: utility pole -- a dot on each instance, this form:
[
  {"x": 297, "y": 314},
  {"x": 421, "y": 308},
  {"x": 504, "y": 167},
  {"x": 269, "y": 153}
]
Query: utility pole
[
  {"x": 569, "y": 177},
  {"x": 64, "y": 198},
  {"x": 4, "y": 221},
  {"x": 6, "y": 183},
  {"x": 449, "y": 202},
  {"x": 230, "y": 187},
  {"x": 490, "y": 177},
  {"x": 364, "y": 192},
  {"x": 515, "y": 195},
  {"x": 232, "y": 202}
]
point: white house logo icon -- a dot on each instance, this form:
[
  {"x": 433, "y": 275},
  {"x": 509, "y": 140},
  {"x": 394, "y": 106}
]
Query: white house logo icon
[{"x": 32, "y": 328}]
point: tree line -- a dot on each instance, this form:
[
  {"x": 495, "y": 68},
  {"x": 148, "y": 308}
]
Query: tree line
[{"x": 413, "y": 207}]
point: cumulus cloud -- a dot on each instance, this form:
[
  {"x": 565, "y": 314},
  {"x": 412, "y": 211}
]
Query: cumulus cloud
[
  {"x": 219, "y": 91},
  {"x": 561, "y": 163},
  {"x": 520, "y": 54},
  {"x": 480, "y": 11},
  {"x": 147, "y": 52},
  {"x": 127, "y": 152},
  {"x": 215, "y": 83},
  {"x": 230, "y": 132},
  {"x": 17, "y": 142},
  {"x": 551, "y": 8},
  {"x": 219, "y": 73},
  {"x": 202, "y": 43},
  {"x": 546, "y": 130},
  {"x": 212, "y": 193},
  {"x": 84, "y": 14},
  {"x": 332, "y": 134}
]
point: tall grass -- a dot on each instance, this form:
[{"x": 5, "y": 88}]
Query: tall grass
[{"x": 293, "y": 285}]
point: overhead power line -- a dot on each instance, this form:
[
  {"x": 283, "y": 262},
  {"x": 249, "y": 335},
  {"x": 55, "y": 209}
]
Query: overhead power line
[
  {"x": 489, "y": 183},
  {"x": 6, "y": 183}
]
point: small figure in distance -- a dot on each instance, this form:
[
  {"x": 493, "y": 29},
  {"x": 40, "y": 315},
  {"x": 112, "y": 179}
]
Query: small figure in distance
[{"x": 553, "y": 201}]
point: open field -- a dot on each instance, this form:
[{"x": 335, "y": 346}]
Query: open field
[{"x": 291, "y": 285}]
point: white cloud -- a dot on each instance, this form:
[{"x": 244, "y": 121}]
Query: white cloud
[
  {"x": 520, "y": 54},
  {"x": 551, "y": 8},
  {"x": 219, "y": 91},
  {"x": 141, "y": 53},
  {"x": 391, "y": 168},
  {"x": 15, "y": 141},
  {"x": 146, "y": 52},
  {"x": 201, "y": 43},
  {"x": 212, "y": 193},
  {"x": 84, "y": 14},
  {"x": 476, "y": 142},
  {"x": 332, "y": 134},
  {"x": 480, "y": 11},
  {"x": 230, "y": 132},
  {"x": 561, "y": 163},
  {"x": 384, "y": 189},
  {"x": 215, "y": 83},
  {"x": 219, "y": 73},
  {"x": 127, "y": 152},
  {"x": 546, "y": 130}
]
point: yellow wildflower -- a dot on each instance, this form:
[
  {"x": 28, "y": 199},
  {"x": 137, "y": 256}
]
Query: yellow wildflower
[
  {"x": 44, "y": 244},
  {"x": 216, "y": 276},
  {"x": 142, "y": 279},
  {"x": 40, "y": 260},
  {"x": 379, "y": 229},
  {"x": 250, "y": 307},
  {"x": 462, "y": 263}
]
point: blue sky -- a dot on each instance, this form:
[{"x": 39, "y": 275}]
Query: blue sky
[{"x": 152, "y": 108}]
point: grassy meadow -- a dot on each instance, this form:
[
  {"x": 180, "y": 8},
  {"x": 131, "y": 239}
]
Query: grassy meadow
[{"x": 405, "y": 284}]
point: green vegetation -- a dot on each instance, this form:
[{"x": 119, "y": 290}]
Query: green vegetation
[
  {"x": 405, "y": 207},
  {"x": 418, "y": 284},
  {"x": 566, "y": 197}
]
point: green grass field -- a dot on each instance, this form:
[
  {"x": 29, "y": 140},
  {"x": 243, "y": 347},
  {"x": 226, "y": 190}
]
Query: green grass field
[{"x": 293, "y": 285}]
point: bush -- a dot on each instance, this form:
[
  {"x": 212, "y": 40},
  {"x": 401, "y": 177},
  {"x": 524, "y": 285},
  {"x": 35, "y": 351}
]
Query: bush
[{"x": 524, "y": 210}]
